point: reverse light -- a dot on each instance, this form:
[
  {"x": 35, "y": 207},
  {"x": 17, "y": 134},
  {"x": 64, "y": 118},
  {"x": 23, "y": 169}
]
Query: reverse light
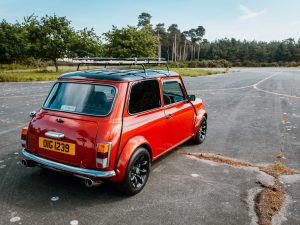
[
  {"x": 23, "y": 136},
  {"x": 102, "y": 154}
]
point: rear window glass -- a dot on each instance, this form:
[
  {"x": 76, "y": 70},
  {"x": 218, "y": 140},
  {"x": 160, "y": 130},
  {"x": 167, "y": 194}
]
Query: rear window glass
[{"x": 90, "y": 99}]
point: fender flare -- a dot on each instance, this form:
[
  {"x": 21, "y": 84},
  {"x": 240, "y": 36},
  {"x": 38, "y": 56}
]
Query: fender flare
[
  {"x": 129, "y": 148},
  {"x": 198, "y": 119}
]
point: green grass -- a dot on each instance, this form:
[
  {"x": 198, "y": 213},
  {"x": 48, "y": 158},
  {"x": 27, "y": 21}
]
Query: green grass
[
  {"x": 20, "y": 74},
  {"x": 27, "y": 76},
  {"x": 15, "y": 67},
  {"x": 186, "y": 72}
]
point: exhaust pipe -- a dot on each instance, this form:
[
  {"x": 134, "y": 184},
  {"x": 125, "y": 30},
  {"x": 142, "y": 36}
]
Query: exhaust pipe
[
  {"x": 90, "y": 183},
  {"x": 28, "y": 163}
]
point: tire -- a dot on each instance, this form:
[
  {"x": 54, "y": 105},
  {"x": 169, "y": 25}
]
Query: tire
[
  {"x": 137, "y": 172},
  {"x": 201, "y": 132}
]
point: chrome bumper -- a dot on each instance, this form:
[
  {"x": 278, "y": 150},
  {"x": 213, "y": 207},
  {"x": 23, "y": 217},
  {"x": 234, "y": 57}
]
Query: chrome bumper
[{"x": 71, "y": 169}]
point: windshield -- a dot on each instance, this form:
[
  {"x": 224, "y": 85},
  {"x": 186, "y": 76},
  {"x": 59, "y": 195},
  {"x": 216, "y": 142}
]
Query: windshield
[{"x": 92, "y": 99}]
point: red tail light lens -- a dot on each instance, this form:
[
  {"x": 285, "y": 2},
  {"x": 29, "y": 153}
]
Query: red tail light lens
[
  {"x": 24, "y": 136},
  {"x": 102, "y": 154}
]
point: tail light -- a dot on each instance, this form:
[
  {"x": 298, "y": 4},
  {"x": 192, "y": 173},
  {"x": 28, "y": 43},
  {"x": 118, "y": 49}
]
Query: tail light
[
  {"x": 23, "y": 137},
  {"x": 102, "y": 154}
]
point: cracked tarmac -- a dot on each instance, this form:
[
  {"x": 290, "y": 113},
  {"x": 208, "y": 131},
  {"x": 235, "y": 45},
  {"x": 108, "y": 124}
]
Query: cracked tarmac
[{"x": 243, "y": 123}]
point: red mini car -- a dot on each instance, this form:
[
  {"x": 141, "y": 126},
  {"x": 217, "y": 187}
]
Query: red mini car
[{"x": 111, "y": 124}]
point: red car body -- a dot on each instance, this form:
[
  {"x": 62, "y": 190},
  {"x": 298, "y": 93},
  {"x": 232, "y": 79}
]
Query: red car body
[{"x": 157, "y": 130}]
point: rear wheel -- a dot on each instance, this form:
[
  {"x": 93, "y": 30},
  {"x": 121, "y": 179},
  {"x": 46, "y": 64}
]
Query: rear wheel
[
  {"x": 137, "y": 172},
  {"x": 201, "y": 133}
]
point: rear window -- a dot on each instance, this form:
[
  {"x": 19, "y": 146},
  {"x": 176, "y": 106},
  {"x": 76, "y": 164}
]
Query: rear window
[{"x": 92, "y": 99}]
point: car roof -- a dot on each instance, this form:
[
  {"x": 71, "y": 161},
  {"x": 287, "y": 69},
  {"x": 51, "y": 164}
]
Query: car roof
[{"x": 117, "y": 74}]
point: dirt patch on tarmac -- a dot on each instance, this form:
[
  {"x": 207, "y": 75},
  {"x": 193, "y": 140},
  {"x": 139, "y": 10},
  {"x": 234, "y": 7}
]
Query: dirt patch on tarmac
[
  {"x": 269, "y": 201},
  {"x": 222, "y": 159},
  {"x": 277, "y": 169}
]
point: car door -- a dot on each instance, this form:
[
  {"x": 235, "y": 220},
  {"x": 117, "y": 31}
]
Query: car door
[
  {"x": 179, "y": 112},
  {"x": 145, "y": 116}
]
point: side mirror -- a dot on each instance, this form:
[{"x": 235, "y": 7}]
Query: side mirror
[
  {"x": 32, "y": 114},
  {"x": 192, "y": 98}
]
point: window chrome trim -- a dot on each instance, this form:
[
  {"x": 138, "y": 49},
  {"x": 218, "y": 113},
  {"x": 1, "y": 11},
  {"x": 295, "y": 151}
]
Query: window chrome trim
[{"x": 175, "y": 103}]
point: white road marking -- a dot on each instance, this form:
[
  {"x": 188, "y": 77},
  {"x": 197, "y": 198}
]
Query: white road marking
[
  {"x": 74, "y": 222},
  {"x": 255, "y": 86},
  {"x": 271, "y": 92},
  {"x": 225, "y": 89},
  {"x": 194, "y": 175},
  {"x": 15, "y": 219}
]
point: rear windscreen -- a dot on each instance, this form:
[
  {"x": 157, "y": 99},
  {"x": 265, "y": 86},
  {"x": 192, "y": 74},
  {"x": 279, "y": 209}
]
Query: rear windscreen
[{"x": 92, "y": 99}]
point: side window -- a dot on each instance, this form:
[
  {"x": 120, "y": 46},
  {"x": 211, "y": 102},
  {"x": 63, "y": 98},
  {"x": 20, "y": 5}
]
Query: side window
[
  {"x": 172, "y": 92},
  {"x": 144, "y": 95}
]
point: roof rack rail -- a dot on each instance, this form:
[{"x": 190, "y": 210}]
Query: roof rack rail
[{"x": 113, "y": 61}]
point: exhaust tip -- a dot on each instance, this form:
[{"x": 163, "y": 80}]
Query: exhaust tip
[
  {"x": 90, "y": 183},
  {"x": 24, "y": 162},
  {"x": 28, "y": 163}
]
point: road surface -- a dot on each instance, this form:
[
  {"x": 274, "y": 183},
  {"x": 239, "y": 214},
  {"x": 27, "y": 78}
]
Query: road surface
[{"x": 252, "y": 115}]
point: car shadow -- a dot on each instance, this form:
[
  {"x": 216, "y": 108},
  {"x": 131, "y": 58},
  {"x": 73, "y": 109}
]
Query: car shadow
[{"x": 33, "y": 188}]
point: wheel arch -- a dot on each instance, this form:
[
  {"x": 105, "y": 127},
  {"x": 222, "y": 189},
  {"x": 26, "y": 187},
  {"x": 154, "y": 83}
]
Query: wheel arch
[
  {"x": 126, "y": 153},
  {"x": 202, "y": 113},
  {"x": 148, "y": 148}
]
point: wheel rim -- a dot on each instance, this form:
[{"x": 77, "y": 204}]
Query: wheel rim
[
  {"x": 202, "y": 130},
  {"x": 139, "y": 172}
]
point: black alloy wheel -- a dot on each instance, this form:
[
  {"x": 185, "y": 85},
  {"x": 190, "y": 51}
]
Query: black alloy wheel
[
  {"x": 201, "y": 133},
  {"x": 137, "y": 172}
]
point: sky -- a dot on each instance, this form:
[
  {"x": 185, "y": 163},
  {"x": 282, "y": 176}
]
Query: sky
[{"x": 262, "y": 20}]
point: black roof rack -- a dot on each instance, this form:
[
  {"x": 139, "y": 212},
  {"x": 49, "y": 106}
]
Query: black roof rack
[{"x": 114, "y": 61}]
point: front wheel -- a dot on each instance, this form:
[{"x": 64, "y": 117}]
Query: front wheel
[
  {"x": 201, "y": 133},
  {"x": 137, "y": 172}
]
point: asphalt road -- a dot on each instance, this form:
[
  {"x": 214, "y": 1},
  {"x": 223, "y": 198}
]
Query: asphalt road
[{"x": 246, "y": 110}]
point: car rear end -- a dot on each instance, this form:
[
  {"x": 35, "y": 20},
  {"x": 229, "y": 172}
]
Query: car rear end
[{"x": 77, "y": 130}]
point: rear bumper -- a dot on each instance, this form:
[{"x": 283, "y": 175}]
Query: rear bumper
[{"x": 69, "y": 169}]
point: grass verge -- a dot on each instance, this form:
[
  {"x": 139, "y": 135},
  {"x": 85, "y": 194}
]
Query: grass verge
[
  {"x": 15, "y": 67},
  {"x": 187, "y": 72},
  {"x": 49, "y": 74},
  {"x": 27, "y": 76}
]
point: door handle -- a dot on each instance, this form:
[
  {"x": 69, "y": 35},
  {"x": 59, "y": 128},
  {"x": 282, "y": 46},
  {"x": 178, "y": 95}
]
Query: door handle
[{"x": 169, "y": 116}]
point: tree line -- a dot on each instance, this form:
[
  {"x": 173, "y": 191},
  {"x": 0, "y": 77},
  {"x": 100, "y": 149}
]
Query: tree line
[
  {"x": 176, "y": 45},
  {"x": 51, "y": 37}
]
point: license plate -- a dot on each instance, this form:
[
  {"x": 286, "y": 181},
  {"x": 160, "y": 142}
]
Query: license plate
[{"x": 57, "y": 146}]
